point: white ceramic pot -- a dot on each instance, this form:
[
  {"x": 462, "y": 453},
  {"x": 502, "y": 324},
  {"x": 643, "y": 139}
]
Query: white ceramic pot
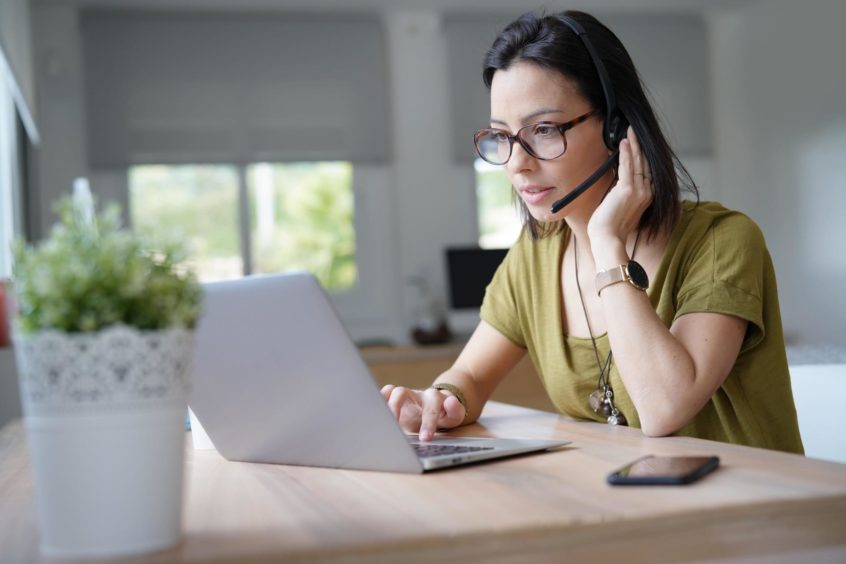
[{"x": 104, "y": 414}]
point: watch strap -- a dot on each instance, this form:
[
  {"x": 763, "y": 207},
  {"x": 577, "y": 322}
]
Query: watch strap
[
  {"x": 631, "y": 272},
  {"x": 605, "y": 278}
]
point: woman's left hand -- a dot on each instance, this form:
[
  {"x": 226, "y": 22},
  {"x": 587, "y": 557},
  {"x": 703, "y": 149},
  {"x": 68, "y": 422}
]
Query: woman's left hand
[{"x": 620, "y": 211}]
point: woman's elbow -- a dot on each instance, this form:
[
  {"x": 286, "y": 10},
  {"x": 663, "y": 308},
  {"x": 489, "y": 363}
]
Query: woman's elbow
[
  {"x": 660, "y": 426},
  {"x": 667, "y": 417}
]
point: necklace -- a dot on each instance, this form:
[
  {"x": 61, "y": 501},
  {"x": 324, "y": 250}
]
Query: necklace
[{"x": 602, "y": 399}]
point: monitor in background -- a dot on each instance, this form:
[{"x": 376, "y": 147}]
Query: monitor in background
[{"x": 469, "y": 271}]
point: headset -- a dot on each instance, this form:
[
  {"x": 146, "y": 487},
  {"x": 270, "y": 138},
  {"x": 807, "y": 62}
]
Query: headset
[{"x": 615, "y": 125}]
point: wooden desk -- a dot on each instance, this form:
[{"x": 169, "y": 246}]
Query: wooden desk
[{"x": 540, "y": 508}]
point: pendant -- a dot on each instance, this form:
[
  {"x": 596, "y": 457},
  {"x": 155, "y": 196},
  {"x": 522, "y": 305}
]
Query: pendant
[
  {"x": 611, "y": 412},
  {"x": 600, "y": 402},
  {"x": 596, "y": 400},
  {"x": 617, "y": 418}
]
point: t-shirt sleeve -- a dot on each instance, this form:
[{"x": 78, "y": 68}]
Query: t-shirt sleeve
[
  {"x": 500, "y": 305},
  {"x": 726, "y": 273}
]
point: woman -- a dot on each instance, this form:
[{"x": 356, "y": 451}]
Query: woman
[{"x": 701, "y": 352}]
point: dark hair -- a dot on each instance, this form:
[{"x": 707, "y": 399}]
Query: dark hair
[{"x": 546, "y": 41}]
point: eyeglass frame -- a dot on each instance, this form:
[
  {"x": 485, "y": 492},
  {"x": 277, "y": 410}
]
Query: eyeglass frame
[{"x": 561, "y": 127}]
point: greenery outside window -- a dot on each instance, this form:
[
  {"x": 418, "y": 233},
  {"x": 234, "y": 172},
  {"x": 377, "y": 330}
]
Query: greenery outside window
[
  {"x": 499, "y": 218},
  {"x": 301, "y": 217},
  {"x": 261, "y": 218}
]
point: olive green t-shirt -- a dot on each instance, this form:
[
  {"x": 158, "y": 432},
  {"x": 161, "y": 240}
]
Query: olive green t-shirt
[{"x": 716, "y": 261}]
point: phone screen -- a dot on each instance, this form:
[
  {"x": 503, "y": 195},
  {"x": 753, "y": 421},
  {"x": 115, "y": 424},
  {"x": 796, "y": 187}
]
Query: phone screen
[{"x": 665, "y": 470}]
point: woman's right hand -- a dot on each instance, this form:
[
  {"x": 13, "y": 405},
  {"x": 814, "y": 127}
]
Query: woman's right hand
[{"x": 423, "y": 411}]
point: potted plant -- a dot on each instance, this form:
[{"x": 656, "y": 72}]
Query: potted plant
[{"x": 103, "y": 339}]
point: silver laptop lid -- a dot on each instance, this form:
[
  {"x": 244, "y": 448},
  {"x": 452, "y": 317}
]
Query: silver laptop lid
[{"x": 278, "y": 379}]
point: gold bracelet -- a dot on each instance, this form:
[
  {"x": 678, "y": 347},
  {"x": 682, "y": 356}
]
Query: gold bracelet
[{"x": 456, "y": 391}]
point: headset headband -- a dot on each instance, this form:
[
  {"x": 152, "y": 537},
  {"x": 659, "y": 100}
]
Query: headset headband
[{"x": 612, "y": 118}]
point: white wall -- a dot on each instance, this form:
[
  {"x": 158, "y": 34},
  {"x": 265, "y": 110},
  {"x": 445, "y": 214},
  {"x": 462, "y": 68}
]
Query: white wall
[
  {"x": 435, "y": 199},
  {"x": 780, "y": 132},
  {"x": 61, "y": 155}
]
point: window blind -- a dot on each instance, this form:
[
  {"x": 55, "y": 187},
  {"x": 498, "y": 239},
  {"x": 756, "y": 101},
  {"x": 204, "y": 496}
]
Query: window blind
[{"x": 216, "y": 87}]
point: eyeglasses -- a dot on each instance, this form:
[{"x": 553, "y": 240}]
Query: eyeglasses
[{"x": 544, "y": 140}]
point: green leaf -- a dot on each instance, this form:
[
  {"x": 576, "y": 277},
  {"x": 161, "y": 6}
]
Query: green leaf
[{"x": 85, "y": 277}]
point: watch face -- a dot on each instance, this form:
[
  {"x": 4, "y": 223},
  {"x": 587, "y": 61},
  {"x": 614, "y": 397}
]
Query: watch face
[{"x": 637, "y": 275}]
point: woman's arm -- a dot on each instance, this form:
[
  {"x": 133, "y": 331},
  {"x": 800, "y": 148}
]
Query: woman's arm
[
  {"x": 486, "y": 359},
  {"x": 669, "y": 373}
]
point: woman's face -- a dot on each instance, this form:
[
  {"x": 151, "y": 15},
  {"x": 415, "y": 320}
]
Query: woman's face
[{"x": 526, "y": 93}]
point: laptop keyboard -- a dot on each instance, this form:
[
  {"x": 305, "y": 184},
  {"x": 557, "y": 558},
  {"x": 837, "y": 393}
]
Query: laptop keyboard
[{"x": 426, "y": 450}]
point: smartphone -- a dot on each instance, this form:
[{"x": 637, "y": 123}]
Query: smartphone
[{"x": 664, "y": 470}]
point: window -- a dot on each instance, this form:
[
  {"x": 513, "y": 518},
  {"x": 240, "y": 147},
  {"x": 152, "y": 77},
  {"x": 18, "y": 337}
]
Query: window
[
  {"x": 199, "y": 201},
  {"x": 8, "y": 177},
  {"x": 499, "y": 218},
  {"x": 301, "y": 217},
  {"x": 293, "y": 216}
]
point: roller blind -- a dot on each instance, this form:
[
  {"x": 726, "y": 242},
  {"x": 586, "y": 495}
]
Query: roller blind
[
  {"x": 16, "y": 60},
  {"x": 669, "y": 50},
  {"x": 188, "y": 87}
]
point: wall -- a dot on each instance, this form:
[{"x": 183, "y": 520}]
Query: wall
[
  {"x": 780, "y": 130},
  {"x": 435, "y": 198},
  {"x": 61, "y": 155}
]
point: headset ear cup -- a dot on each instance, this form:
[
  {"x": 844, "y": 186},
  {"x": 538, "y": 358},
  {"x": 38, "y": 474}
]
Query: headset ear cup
[
  {"x": 615, "y": 130},
  {"x": 622, "y": 128},
  {"x": 611, "y": 133}
]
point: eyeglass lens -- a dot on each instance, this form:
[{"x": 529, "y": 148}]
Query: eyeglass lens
[{"x": 541, "y": 140}]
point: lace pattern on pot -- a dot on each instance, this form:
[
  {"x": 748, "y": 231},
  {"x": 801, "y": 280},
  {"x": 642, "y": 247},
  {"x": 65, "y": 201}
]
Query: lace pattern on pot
[{"x": 117, "y": 365}]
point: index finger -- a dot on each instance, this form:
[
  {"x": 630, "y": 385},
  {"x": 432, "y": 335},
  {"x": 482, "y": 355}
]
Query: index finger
[{"x": 433, "y": 402}]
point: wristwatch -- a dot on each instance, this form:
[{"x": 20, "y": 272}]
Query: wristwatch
[{"x": 630, "y": 272}]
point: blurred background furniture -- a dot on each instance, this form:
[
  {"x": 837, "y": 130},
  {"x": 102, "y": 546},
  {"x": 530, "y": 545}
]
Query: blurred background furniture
[{"x": 818, "y": 378}]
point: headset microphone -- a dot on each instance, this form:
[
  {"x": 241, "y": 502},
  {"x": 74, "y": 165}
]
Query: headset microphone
[
  {"x": 558, "y": 205},
  {"x": 614, "y": 128}
]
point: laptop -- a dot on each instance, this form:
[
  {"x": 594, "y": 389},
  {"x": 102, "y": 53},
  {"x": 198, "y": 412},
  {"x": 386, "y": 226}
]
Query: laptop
[{"x": 277, "y": 379}]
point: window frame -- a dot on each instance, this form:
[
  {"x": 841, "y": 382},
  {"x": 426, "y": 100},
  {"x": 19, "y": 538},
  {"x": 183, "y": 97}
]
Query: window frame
[{"x": 11, "y": 224}]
